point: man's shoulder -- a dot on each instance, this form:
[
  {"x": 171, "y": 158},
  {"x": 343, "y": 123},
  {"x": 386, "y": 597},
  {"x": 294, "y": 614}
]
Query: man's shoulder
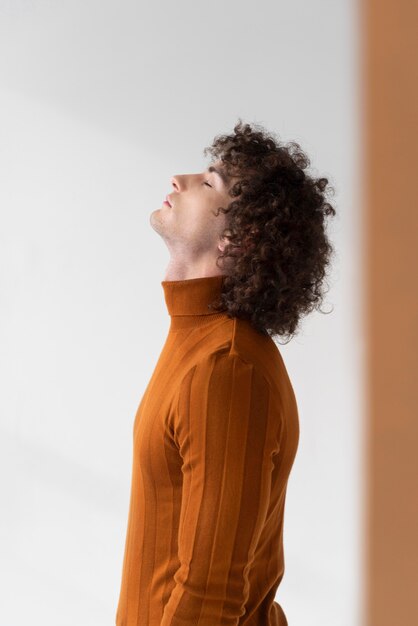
[{"x": 237, "y": 344}]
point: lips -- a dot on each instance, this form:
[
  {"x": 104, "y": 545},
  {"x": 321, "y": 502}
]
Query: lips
[{"x": 167, "y": 200}]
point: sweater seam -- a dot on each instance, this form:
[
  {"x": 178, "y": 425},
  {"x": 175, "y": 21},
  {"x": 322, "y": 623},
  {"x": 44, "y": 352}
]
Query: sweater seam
[{"x": 232, "y": 355}]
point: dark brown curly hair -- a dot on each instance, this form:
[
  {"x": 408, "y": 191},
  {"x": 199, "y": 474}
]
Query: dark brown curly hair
[{"x": 277, "y": 251}]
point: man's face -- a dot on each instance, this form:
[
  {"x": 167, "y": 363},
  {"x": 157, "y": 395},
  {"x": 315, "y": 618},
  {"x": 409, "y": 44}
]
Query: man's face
[{"x": 189, "y": 226}]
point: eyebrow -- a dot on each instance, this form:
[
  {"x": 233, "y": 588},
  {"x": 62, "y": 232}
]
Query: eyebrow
[{"x": 220, "y": 173}]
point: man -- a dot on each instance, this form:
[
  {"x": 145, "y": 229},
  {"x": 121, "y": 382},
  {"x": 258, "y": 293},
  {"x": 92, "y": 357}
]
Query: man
[{"x": 216, "y": 432}]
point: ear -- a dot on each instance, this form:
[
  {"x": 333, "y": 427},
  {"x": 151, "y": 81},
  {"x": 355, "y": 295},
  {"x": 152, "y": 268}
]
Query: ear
[{"x": 222, "y": 243}]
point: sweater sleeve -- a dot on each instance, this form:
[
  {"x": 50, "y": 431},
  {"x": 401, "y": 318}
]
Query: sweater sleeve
[{"x": 226, "y": 435}]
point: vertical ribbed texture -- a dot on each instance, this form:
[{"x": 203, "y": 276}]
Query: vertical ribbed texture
[
  {"x": 225, "y": 441},
  {"x": 215, "y": 436}
]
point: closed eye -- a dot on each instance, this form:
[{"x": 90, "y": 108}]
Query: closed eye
[{"x": 206, "y": 183}]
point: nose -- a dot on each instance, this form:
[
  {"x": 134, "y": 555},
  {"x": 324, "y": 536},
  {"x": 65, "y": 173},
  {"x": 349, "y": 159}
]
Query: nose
[{"x": 175, "y": 183}]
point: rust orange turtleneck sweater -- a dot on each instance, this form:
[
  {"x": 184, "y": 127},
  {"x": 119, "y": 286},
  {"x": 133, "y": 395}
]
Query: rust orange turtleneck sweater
[{"x": 214, "y": 439}]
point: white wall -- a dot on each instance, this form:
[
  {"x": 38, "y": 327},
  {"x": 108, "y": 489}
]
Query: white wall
[{"x": 101, "y": 103}]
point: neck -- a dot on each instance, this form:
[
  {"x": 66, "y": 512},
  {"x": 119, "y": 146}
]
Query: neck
[{"x": 184, "y": 269}]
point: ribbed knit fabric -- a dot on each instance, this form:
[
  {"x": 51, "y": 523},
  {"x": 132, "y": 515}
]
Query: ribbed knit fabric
[{"x": 214, "y": 439}]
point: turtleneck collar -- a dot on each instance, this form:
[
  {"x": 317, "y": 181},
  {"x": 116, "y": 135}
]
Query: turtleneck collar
[{"x": 187, "y": 300}]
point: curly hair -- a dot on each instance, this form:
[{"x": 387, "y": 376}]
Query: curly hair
[{"x": 277, "y": 251}]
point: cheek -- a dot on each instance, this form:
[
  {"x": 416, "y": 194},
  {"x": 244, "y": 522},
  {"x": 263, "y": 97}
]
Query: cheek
[{"x": 200, "y": 216}]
